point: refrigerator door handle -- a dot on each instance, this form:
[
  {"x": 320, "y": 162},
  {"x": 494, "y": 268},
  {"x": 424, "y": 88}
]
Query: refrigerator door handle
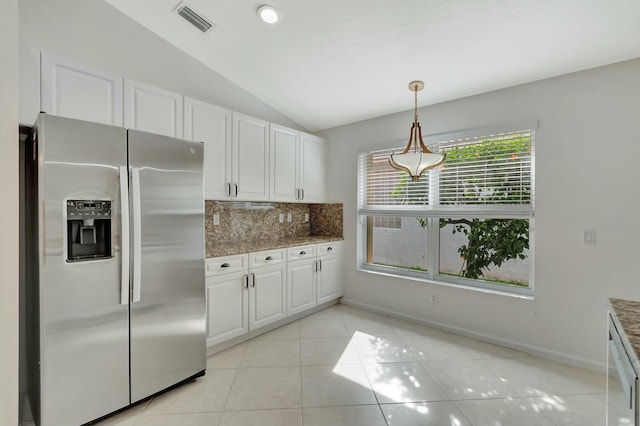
[
  {"x": 124, "y": 219},
  {"x": 137, "y": 234}
]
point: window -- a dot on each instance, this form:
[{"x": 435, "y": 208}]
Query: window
[
  {"x": 468, "y": 222},
  {"x": 389, "y": 222}
]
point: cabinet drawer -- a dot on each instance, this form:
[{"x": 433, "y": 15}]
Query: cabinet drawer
[
  {"x": 266, "y": 258},
  {"x": 226, "y": 264},
  {"x": 301, "y": 252},
  {"x": 332, "y": 247}
]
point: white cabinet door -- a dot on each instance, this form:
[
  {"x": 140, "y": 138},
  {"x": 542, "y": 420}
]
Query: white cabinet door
[
  {"x": 301, "y": 285},
  {"x": 227, "y": 307},
  {"x": 211, "y": 124},
  {"x": 329, "y": 278},
  {"x": 284, "y": 155},
  {"x": 73, "y": 90},
  {"x": 312, "y": 171},
  {"x": 151, "y": 109},
  {"x": 267, "y": 295},
  {"x": 250, "y": 158}
]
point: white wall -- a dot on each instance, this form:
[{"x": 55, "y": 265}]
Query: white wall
[
  {"x": 587, "y": 153},
  {"x": 94, "y": 33},
  {"x": 9, "y": 213}
]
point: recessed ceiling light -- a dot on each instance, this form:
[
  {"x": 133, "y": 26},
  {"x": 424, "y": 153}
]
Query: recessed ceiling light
[{"x": 268, "y": 14}]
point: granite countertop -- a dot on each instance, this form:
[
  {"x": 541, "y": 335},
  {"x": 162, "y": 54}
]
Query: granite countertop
[
  {"x": 626, "y": 317},
  {"x": 229, "y": 249}
]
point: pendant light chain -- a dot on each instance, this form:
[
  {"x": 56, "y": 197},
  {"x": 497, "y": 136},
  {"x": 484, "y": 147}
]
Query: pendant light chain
[{"x": 415, "y": 103}]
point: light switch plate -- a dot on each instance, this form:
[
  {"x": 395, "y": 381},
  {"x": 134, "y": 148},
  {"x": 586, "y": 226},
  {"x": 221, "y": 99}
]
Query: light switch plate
[
  {"x": 288, "y": 217},
  {"x": 216, "y": 219},
  {"x": 306, "y": 217},
  {"x": 281, "y": 217}
]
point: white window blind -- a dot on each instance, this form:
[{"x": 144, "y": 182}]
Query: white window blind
[
  {"x": 383, "y": 186},
  {"x": 484, "y": 174}
]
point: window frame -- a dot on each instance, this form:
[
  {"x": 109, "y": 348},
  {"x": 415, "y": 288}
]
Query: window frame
[{"x": 434, "y": 214}]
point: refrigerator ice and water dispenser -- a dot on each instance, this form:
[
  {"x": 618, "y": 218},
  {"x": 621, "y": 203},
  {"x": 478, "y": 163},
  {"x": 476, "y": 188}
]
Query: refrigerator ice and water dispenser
[{"x": 88, "y": 230}]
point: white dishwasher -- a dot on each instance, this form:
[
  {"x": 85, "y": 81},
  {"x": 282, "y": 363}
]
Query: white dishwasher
[{"x": 622, "y": 382}]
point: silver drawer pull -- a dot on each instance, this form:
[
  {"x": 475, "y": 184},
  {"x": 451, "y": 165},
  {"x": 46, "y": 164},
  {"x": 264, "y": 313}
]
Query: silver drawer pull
[
  {"x": 303, "y": 252},
  {"x": 268, "y": 258},
  {"x": 225, "y": 265},
  {"x": 329, "y": 248}
]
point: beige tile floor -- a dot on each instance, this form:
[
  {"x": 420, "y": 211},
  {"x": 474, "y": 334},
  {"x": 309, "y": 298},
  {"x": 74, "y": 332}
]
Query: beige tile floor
[{"x": 345, "y": 366}]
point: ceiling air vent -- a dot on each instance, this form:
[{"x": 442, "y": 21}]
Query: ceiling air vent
[{"x": 194, "y": 18}]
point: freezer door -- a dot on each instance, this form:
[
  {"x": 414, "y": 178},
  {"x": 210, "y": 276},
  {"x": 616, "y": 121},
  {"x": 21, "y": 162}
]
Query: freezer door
[
  {"x": 84, "y": 329},
  {"x": 167, "y": 228}
]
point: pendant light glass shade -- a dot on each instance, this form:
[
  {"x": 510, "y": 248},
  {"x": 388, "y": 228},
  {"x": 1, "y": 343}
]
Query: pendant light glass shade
[{"x": 416, "y": 158}]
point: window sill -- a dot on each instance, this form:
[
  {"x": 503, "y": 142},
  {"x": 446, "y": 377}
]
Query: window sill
[{"x": 389, "y": 272}]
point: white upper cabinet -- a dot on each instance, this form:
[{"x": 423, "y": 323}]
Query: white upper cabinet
[
  {"x": 250, "y": 166},
  {"x": 312, "y": 170},
  {"x": 284, "y": 157},
  {"x": 151, "y": 109},
  {"x": 246, "y": 158},
  {"x": 297, "y": 166},
  {"x": 211, "y": 124},
  {"x": 73, "y": 90}
]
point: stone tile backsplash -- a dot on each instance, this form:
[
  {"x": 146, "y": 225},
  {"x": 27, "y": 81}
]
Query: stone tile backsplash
[
  {"x": 242, "y": 221},
  {"x": 326, "y": 219}
]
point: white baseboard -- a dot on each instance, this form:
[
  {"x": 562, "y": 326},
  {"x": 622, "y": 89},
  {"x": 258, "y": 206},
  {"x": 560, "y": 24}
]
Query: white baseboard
[{"x": 561, "y": 357}]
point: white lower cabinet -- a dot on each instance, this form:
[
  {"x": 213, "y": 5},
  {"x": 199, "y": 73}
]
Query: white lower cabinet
[
  {"x": 329, "y": 282},
  {"x": 247, "y": 292},
  {"x": 301, "y": 278},
  {"x": 301, "y": 285},
  {"x": 239, "y": 302},
  {"x": 267, "y": 295},
  {"x": 227, "y": 307}
]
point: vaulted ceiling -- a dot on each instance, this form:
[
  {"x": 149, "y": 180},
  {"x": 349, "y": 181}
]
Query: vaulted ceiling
[{"x": 333, "y": 62}]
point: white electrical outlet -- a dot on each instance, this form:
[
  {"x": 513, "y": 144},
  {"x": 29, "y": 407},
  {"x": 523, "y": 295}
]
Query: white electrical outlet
[
  {"x": 434, "y": 298},
  {"x": 306, "y": 217},
  {"x": 281, "y": 217},
  {"x": 589, "y": 236},
  {"x": 216, "y": 219},
  {"x": 288, "y": 217}
]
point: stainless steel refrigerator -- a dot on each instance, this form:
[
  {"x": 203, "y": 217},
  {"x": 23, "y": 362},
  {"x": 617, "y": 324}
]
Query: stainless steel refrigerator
[{"x": 115, "y": 267}]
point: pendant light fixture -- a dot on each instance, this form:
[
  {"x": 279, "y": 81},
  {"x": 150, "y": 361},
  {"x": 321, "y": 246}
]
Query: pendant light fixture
[{"x": 416, "y": 160}]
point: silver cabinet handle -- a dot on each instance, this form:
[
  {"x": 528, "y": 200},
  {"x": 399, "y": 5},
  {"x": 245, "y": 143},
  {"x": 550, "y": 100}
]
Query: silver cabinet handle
[
  {"x": 245, "y": 279},
  {"x": 137, "y": 234},
  {"x": 124, "y": 239},
  {"x": 268, "y": 258},
  {"x": 329, "y": 248},
  {"x": 320, "y": 265},
  {"x": 303, "y": 253},
  {"x": 253, "y": 280},
  {"x": 235, "y": 186},
  {"x": 302, "y": 192},
  {"x": 228, "y": 190},
  {"x": 225, "y": 265}
]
